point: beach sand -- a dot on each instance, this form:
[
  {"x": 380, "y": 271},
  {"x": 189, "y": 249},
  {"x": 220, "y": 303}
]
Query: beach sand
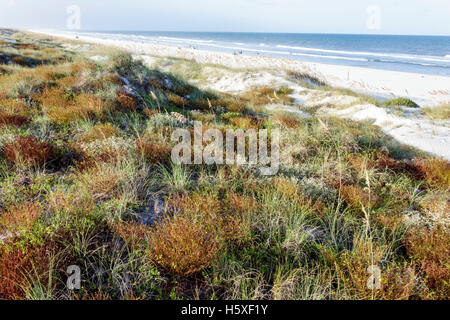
[{"x": 410, "y": 128}]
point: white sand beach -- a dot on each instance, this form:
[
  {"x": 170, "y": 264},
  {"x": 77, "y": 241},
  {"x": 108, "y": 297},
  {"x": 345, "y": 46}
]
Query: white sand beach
[{"x": 409, "y": 128}]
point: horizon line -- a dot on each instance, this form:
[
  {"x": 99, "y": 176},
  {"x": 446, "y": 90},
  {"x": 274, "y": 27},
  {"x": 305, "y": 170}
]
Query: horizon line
[{"x": 248, "y": 32}]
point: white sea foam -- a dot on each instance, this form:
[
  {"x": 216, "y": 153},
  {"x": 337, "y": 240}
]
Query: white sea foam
[
  {"x": 185, "y": 40},
  {"x": 363, "y": 53}
]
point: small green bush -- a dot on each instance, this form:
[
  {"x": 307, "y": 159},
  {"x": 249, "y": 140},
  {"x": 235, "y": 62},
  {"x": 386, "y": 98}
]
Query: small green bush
[{"x": 404, "y": 102}]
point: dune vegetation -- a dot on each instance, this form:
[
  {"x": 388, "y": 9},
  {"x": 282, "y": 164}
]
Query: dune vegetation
[{"x": 86, "y": 179}]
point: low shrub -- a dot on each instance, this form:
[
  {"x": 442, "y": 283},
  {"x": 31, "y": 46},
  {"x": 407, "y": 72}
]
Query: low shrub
[
  {"x": 203, "y": 105},
  {"x": 182, "y": 246},
  {"x": 287, "y": 121},
  {"x": 358, "y": 198},
  {"x": 28, "y": 151},
  {"x": 435, "y": 171},
  {"x": 178, "y": 101},
  {"x": 133, "y": 233},
  {"x": 102, "y": 150},
  {"x": 266, "y": 95},
  {"x": 153, "y": 152},
  {"x": 13, "y": 119},
  {"x": 102, "y": 182},
  {"x": 3, "y": 71},
  {"x": 21, "y": 218},
  {"x": 126, "y": 100},
  {"x": 19, "y": 267},
  {"x": 441, "y": 112},
  {"x": 398, "y": 281},
  {"x": 224, "y": 218},
  {"x": 403, "y": 102},
  {"x": 12, "y": 106},
  {"x": 231, "y": 105},
  {"x": 246, "y": 122},
  {"x": 163, "y": 120},
  {"x": 101, "y": 131},
  {"x": 429, "y": 248},
  {"x": 84, "y": 106},
  {"x": 54, "y": 98},
  {"x": 20, "y": 61},
  {"x": 306, "y": 79},
  {"x": 78, "y": 203}
]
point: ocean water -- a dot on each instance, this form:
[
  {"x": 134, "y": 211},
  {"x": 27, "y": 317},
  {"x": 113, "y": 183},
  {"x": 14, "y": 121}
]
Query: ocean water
[{"x": 419, "y": 54}]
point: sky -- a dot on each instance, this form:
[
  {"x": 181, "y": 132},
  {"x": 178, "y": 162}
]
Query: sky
[{"x": 420, "y": 17}]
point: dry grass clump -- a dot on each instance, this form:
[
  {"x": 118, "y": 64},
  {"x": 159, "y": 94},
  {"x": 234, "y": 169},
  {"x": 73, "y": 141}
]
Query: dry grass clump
[
  {"x": 307, "y": 80},
  {"x": 23, "y": 87},
  {"x": 438, "y": 113},
  {"x": 154, "y": 152},
  {"x": 357, "y": 198},
  {"x": 235, "y": 107},
  {"x": 76, "y": 203},
  {"x": 102, "y": 150},
  {"x": 126, "y": 100},
  {"x": 178, "y": 101},
  {"x": 290, "y": 191},
  {"x": 156, "y": 84},
  {"x": 150, "y": 113},
  {"x": 13, "y": 266},
  {"x": 203, "y": 117},
  {"x": 102, "y": 182},
  {"x": 398, "y": 282},
  {"x": 287, "y": 121},
  {"x": 55, "y": 97},
  {"x": 246, "y": 122},
  {"x": 27, "y": 46},
  {"x": 435, "y": 171},
  {"x": 101, "y": 131},
  {"x": 91, "y": 104},
  {"x": 113, "y": 78},
  {"x": 64, "y": 108},
  {"x": 266, "y": 95},
  {"x": 68, "y": 82},
  {"x": 45, "y": 72},
  {"x": 183, "y": 90},
  {"x": 13, "y": 106},
  {"x": 17, "y": 265},
  {"x": 225, "y": 218},
  {"x": 133, "y": 233},
  {"x": 19, "y": 219},
  {"x": 231, "y": 104},
  {"x": 382, "y": 160},
  {"x": 436, "y": 208},
  {"x": 28, "y": 151},
  {"x": 204, "y": 105},
  {"x": 13, "y": 119},
  {"x": 3, "y": 71},
  {"x": 430, "y": 249},
  {"x": 81, "y": 67},
  {"x": 182, "y": 246},
  {"x": 20, "y": 61}
]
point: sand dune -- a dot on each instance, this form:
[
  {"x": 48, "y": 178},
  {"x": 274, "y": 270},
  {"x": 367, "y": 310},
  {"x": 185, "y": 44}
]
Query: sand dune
[
  {"x": 426, "y": 90},
  {"x": 412, "y": 130}
]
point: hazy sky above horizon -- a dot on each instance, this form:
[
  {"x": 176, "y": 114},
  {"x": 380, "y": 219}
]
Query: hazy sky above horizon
[{"x": 298, "y": 16}]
